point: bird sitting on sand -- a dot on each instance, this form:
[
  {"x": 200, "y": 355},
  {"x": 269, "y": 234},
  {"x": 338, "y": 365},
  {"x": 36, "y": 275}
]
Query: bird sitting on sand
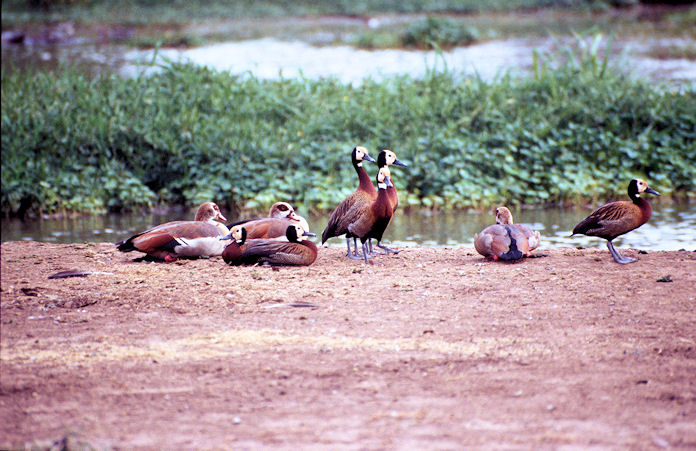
[
  {"x": 296, "y": 251},
  {"x": 505, "y": 240},
  {"x": 197, "y": 238}
]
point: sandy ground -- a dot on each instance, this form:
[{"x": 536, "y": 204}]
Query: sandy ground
[{"x": 434, "y": 349}]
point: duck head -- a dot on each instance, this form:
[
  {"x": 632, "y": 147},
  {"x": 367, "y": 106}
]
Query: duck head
[
  {"x": 237, "y": 233},
  {"x": 638, "y": 186},
  {"x": 503, "y": 216},
  {"x": 295, "y": 233},
  {"x": 359, "y": 155},
  {"x": 387, "y": 157},
  {"x": 283, "y": 210},
  {"x": 384, "y": 178},
  {"x": 209, "y": 211}
]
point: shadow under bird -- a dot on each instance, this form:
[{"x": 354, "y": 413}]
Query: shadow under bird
[
  {"x": 617, "y": 218},
  {"x": 506, "y": 240},
  {"x": 169, "y": 241},
  {"x": 296, "y": 251},
  {"x": 374, "y": 220},
  {"x": 275, "y": 225},
  {"x": 346, "y": 212}
]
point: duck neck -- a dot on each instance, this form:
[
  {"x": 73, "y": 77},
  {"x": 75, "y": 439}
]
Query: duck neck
[
  {"x": 365, "y": 184},
  {"x": 644, "y": 206}
]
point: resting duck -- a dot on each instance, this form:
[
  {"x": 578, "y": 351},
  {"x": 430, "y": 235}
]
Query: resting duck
[
  {"x": 200, "y": 237},
  {"x": 295, "y": 252},
  {"x": 505, "y": 240},
  {"x": 374, "y": 220},
  {"x": 387, "y": 158},
  {"x": 345, "y": 213},
  {"x": 275, "y": 225},
  {"x": 616, "y": 218}
]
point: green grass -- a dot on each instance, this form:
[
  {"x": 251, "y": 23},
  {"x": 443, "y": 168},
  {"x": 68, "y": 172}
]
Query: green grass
[{"x": 577, "y": 129}]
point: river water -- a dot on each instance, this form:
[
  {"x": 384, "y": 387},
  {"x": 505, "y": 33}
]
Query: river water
[{"x": 672, "y": 227}]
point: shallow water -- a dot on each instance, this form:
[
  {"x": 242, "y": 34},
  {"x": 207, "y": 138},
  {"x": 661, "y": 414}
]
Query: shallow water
[
  {"x": 272, "y": 59},
  {"x": 672, "y": 227}
]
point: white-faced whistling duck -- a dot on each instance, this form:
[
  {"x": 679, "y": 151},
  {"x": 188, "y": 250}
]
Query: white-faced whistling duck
[
  {"x": 616, "y": 218},
  {"x": 387, "y": 158},
  {"x": 296, "y": 251},
  {"x": 374, "y": 220},
  {"x": 350, "y": 208}
]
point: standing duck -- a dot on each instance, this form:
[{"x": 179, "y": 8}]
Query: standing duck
[
  {"x": 295, "y": 252},
  {"x": 275, "y": 225},
  {"x": 506, "y": 240},
  {"x": 346, "y": 212},
  {"x": 182, "y": 238},
  {"x": 616, "y": 218},
  {"x": 387, "y": 158},
  {"x": 374, "y": 220}
]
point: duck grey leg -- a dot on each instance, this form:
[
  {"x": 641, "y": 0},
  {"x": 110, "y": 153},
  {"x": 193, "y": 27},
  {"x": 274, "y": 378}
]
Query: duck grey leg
[
  {"x": 354, "y": 255},
  {"x": 617, "y": 257}
]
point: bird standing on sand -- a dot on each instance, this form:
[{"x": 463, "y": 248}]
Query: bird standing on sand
[
  {"x": 345, "y": 213},
  {"x": 374, "y": 220},
  {"x": 616, "y": 218},
  {"x": 506, "y": 240},
  {"x": 387, "y": 158}
]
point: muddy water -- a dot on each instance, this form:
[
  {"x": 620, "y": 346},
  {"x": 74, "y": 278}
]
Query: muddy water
[{"x": 672, "y": 227}]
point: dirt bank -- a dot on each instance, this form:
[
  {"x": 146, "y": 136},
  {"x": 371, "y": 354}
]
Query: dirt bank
[{"x": 435, "y": 349}]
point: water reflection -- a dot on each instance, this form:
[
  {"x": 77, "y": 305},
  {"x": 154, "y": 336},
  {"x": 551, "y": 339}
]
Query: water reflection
[{"x": 672, "y": 227}]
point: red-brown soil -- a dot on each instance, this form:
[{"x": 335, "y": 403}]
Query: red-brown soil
[{"x": 434, "y": 349}]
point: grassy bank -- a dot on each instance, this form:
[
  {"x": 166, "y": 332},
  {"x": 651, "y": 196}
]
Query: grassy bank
[{"x": 189, "y": 134}]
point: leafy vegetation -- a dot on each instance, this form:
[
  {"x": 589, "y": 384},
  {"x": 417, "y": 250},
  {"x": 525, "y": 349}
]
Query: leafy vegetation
[{"x": 577, "y": 128}]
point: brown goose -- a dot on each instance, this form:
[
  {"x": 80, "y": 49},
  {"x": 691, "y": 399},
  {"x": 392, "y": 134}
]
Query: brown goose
[
  {"x": 374, "y": 220},
  {"x": 295, "y": 252},
  {"x": 505, "y": 240},
  {"x": 616, "y": 218},
  {"x": 345, "y": 214},
  {"x": 182, "y": 238}
]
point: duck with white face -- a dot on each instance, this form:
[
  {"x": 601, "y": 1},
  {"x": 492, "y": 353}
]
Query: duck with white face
[
  {"x": 296, "y": 251},
  {"x": 373, "y": 221},
  {"x": 617, "y": 218},
  {"x": 345, "y": 213},
  {"x": 387, "y": 158}
]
